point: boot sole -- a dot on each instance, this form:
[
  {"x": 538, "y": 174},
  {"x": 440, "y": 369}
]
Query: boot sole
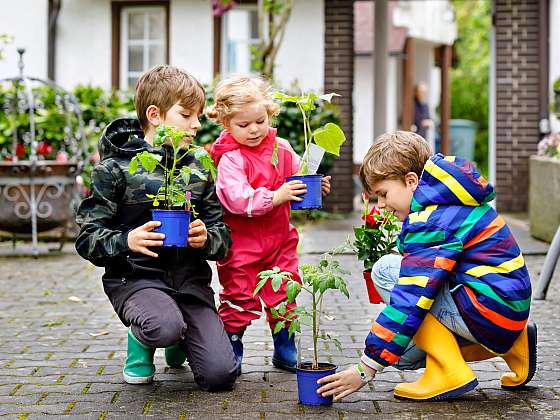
[
  {"x": 137, "y": 380},
  {"x": 446, "y": 395},
  {"x": 283, "y": 365},
  {"x": 532, "y": 339}
]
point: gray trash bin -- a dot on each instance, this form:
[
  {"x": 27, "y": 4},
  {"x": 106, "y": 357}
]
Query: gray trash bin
[{"x": 463, "y": 136}]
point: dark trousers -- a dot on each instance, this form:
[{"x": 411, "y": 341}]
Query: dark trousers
[{"x": 158, "y": 320}]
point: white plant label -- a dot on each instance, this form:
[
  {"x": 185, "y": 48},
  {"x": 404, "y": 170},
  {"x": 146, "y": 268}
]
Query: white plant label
[{"x": 315, "y": 156}]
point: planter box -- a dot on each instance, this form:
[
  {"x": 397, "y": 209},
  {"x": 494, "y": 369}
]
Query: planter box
[{"x": 544, "y": 197}]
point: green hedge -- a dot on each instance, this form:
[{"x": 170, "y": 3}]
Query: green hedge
[{"x": 99, "y": 107}]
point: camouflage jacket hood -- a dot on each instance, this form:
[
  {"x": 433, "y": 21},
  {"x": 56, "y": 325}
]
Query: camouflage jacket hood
[
  {"x": 123, "y": 138},
  {"x": 118, "y": 204}
]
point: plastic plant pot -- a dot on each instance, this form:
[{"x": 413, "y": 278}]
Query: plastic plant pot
[
  {"x": 307, "y": 383},
  {"x": 313, "y": 198},
  {"x": 371, "y": 290},
  {"x": 174, "y": 225}
]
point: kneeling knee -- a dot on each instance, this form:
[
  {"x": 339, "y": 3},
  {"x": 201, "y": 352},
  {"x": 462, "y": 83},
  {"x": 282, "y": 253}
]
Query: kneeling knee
[{"x": 217, "y": 378}]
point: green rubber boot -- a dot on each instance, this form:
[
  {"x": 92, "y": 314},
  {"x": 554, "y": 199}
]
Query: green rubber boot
[
  {"x": 139, "y": 366},
  {"x": 175, "y": 356}
]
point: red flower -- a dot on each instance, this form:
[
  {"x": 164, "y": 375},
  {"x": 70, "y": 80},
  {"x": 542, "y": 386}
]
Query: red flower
[
  {"x": 44, "y": 149},
  {"x": 20, "y": 150},
  {"x": 370, "y": 219}
]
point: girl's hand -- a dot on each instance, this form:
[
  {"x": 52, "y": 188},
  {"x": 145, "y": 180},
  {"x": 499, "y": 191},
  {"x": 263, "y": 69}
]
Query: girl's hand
[
  {"x": 288, "y": 192},
  {"x": 342, "y": 383},
  {"x": 142, "y": 237},
  {"x": 326, "y": 185},
  {"x": 197, "y": 234}
]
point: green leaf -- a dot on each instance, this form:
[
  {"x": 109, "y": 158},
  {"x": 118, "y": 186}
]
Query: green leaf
[
  {"x": 292, "y": 290},
  {"x": 276, "y": 283},
  {"x": 133, "y": 167},
  {"x": 149, "y": 160},
  {"x": 279, "y": 327},
  {"x": 330, "y": 137},
  {"x": 201, "y": 175},
  {"x": 259, "y": 286},
  {"x": 274, "y": 158}
]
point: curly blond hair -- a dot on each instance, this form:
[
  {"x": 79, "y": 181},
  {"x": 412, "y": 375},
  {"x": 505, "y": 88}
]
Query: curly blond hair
[
  {"x": 232, "y": 94},
  {"x": 392, "y": 156}
]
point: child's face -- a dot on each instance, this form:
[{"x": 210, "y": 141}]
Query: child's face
[
  {"x": 395, "y": 195},
  {"x": 250, "y": 125},
  {"x": 182, "y": 118}
]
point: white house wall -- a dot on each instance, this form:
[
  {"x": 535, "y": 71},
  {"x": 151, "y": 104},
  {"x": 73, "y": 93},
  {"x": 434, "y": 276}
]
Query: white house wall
[
  {"x": 26, "y": 22},
  {"x": 83, "y": 49},
  {"x": 430, "y": 20},
  {"x": 192, "y": 37},
  {"x": 425, "y": 71},
  {"x": 301, "y": 56},
  {"x": 363, "y": 102}
]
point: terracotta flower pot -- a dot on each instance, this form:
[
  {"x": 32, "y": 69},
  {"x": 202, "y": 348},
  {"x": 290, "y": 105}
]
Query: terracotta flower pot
[{"x": 371, "y": 290}]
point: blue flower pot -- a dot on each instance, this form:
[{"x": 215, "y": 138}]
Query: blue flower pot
[
  {"x": 308, "y": 386},
  {"x": 174, "y": 225},
  {"x": 312, "y": 199}
]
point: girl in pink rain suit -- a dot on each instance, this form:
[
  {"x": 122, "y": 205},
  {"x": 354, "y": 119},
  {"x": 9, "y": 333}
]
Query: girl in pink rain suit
[{"x": 252, "y": 166}]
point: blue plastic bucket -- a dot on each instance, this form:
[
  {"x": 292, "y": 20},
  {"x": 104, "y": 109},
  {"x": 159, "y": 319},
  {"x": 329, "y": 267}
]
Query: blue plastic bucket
[
  {"x": 312, "y": 199},
  {"x": 463, "y": 138},
  {"x": 308, "y": 386},
  {"x": 174, "y": 225}
]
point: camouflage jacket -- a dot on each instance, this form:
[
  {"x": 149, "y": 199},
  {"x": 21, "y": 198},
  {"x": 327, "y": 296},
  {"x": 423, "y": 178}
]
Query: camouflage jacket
[{"x": 118, "y": 204}]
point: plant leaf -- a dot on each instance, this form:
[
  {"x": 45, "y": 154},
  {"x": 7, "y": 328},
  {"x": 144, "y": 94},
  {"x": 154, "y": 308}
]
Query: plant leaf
[{"x": 330, "y": 137}]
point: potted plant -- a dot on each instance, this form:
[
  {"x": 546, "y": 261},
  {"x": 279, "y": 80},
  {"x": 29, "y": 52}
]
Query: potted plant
[
  {"x": 544, "y": 187},
  {"x": 327, "y": 274},
  {"x": 172, "y": 202},
  {"x": 375, "y": 238},
  {"x": 328, "y": 138},
  {"x": 556, "y": 89}
]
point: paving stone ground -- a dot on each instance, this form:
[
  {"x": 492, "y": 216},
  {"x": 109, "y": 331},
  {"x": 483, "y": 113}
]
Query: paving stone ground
[{"x": 62, "y": 348}]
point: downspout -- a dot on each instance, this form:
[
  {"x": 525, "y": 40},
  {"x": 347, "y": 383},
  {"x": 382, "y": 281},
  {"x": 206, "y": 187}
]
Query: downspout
[
  {"x": 53, "y": 11},
  {"x": 492, "y": 105}
]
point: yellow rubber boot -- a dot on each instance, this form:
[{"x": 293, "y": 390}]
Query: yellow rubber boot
[
  {"x": 521, "y": 359},
  {"x": 446, "y": 374},
  {"x": 476, "y": 352}
]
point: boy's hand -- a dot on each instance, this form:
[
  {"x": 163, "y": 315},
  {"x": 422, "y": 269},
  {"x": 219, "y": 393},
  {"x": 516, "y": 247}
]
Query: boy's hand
[
  {"x": 326, "y": 185},
  {"x": 142, "y": 237},
  {"x": 197, "y": 234},
  {"x": 288, "y": 192},
  {"x": 342, "y": 383}
]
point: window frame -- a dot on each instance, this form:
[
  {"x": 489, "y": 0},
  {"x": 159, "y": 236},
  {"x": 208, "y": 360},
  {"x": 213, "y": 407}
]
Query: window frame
[
  {"x": 224, "y": 37},
  {"x": 116, "y": 35}
]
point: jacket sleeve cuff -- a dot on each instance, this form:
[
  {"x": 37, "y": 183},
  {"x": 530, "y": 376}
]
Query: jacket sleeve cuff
[{"x": 371, "y": 363}]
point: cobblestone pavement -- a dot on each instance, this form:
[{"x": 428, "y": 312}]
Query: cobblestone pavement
[{"x": 62, "y": 348}]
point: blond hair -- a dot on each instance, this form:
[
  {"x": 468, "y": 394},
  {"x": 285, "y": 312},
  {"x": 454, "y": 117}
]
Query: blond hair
[
  {"x": 392, "y": 156},
  {"x": 164, "y": 86},
  {"x": 232, "y": 94}
]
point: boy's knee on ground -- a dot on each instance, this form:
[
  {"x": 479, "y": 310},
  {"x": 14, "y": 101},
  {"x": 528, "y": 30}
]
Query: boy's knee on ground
[{"x": 216, "y": 376}]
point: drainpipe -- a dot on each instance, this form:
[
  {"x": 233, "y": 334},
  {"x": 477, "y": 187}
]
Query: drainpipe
[
  {"x": 380, "y": 64},
  {"x": 492, "y": 106},
  {"x": 53, "y": 11}
]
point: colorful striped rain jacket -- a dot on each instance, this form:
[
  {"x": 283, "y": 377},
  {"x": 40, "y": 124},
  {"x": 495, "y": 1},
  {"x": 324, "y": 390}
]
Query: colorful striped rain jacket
[{"x": 453, "y": 235}]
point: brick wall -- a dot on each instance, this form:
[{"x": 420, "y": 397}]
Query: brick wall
[
  {"x": 517, "y": 98},
  {"x": 339, "y": 78}
]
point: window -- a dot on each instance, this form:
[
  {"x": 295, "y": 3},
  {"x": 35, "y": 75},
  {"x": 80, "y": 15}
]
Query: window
[
  {"x": 240, "y": 31},
  {"x": 143, "y": 42}
]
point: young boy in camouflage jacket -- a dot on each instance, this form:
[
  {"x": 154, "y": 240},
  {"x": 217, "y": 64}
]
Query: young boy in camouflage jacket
[{"x": 162, "y": 293}]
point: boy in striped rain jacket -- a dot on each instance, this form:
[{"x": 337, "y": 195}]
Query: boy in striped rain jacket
[{"x": 459, "y": 292}]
